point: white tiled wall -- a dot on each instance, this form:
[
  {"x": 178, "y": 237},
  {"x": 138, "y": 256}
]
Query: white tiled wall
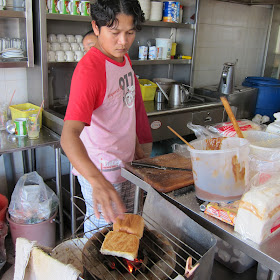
[{"x": 226, "y": 32}]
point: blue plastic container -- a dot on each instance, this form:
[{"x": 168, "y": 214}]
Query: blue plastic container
[{"x": 268, "y": 101}]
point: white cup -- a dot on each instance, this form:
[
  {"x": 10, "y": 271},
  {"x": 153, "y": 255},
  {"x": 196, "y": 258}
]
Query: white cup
[
  {"x": 3, "y": 4},
  {"x": 81, "y": 46},
  {"x": 59, "y": 56},
  {"x": 55, "y": 47},
  {"x": 70, "y": 38},
  {"x": 79, "y": 38},
  {"x": 75, "y": 46},
  {"x": 79, "y": 55},
  {"x": 65, "y": 46},
  {"x": 52, "y": 38},
  {"x": 61, "y": 38},
  {"x": 69, "y": 56},
  {"x": 51, "y": 56},
  {"x": 48, "y": 46}
]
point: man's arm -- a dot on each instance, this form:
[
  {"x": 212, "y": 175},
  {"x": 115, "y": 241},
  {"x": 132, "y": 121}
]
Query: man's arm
[{"x": 104, "y": 193}]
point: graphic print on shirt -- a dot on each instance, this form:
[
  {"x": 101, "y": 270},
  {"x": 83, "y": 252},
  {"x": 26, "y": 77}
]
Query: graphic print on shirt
[{"x": 128, "y": 87}]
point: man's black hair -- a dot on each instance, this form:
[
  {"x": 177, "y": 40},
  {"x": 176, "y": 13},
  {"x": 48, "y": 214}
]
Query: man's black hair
[
  {"x": 104, "y": 12},
  {"x": 88, "y": 33}
]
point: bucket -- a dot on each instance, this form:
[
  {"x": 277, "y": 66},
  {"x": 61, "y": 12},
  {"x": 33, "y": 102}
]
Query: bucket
[
  {"x": 264, "y": 152},
  {"x": 3, "y": 207},
  {"x": 43, "y": 233},
  {"x": 166, "y": 45},
  {"x": 220, "y": 168},
  {"x": 268, "y": 101}
]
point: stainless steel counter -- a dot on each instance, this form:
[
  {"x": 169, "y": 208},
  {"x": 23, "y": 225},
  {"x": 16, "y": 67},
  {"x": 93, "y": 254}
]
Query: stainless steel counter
[
  {"x": 266, "y": 253},
  {"x": 9, "y": 143}
]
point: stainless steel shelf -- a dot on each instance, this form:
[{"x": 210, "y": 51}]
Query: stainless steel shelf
[
  {"x": 14, "y": 64},
  {"x": 11, "y": 14},
  {"x": 146, "y": 23},
  {"x": 160, "y": 62},
  {"x": 68, "y": 17},
  {"x": 62, "y": 64}
]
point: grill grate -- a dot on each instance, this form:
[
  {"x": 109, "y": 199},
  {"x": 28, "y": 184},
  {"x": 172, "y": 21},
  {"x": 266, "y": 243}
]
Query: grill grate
[{"x": 171, "y": 254}]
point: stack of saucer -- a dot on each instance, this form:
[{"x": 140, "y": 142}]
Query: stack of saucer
[
  {"x": 156, "y": 11},
  {"x": 11, "y": 52},
  {"x": 146, "y": 8}
]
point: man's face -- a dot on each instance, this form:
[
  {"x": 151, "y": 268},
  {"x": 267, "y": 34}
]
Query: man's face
[
  {"x": 89, "y": 42},
  {"x": 115, "y": 41}
]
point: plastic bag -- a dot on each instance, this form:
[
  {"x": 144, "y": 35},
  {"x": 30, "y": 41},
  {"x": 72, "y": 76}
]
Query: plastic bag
[
  {"x": 226, "y": 129},
  {"x": 258, "y": 216},
  {"x": 202, "y": 132},
  {"x": 32, "y": 200}
]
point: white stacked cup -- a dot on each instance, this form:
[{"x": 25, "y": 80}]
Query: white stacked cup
[
  {"x": 146, "y": 8},
  {"x": 156, "y": 11}
]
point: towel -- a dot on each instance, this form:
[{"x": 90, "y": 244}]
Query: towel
[
  {"x": 23, "y": 251},
  {"x": 32, "y": 263}
]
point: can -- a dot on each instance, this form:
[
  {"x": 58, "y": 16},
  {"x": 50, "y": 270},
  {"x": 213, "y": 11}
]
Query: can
[
  {"x": 171, "y": 11},
  {"x": 20, "y": 129},
  {"x": 152, "y": 53},
  {"x": 143, "y": 53},
  {"x": 159, "y": 52}
]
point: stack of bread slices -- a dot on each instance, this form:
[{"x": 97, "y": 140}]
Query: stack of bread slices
[{"x": 124, "y": 240}]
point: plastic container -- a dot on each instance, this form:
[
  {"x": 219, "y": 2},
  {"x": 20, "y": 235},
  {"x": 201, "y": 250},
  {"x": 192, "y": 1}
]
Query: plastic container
[
  {"x": 166, "y": 45},
  {"x": 43, "y": 233},
  {"x": 264, "y": 145},
  {"x": 4, "y": 203},
  {"x": 268, "y": 101},
  {"x": 275, "y": 126},
  {"x": 220, "y": 168},
  {"x": 25, "y": 110},
  {"x": 148, "y": 89},
  {"x": 232, "y": 258}
]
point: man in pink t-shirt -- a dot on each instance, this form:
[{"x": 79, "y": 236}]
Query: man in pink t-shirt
[{"x": 99, "y": 132}]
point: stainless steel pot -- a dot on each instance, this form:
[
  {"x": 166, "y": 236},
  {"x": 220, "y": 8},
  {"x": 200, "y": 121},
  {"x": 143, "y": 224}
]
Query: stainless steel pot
[{"x": 179, "y": 94}]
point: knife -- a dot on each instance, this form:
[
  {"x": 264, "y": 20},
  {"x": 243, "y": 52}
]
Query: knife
[{"x": 150, "y": 165}]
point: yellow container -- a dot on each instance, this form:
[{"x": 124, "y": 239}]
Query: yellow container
[
  {"x": 148, "y": 89},
  {"x": 25, "y": 110}
]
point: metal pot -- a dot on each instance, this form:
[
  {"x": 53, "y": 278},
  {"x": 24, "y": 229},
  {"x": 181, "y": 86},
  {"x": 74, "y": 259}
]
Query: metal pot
[{"x": 179, "y": 94}]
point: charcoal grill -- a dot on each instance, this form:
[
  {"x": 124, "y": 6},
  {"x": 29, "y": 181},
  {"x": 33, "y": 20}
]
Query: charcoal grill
[{"x": 180, "y": 235}]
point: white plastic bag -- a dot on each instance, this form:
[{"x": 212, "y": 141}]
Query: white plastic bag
[{"x": 32, "y": 200}]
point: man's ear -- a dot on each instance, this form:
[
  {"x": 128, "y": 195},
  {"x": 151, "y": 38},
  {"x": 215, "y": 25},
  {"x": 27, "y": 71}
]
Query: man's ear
[{"x": 95, "y": 28}]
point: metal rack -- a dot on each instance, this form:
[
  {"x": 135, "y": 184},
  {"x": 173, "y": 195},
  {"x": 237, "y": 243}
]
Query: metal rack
[{"x": 179, "y": 238}]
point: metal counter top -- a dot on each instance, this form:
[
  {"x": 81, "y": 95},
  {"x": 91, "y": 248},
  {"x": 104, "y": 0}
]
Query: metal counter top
[
  {"x": 267, "y": 253},
  {"x": 10, "y": 143}
]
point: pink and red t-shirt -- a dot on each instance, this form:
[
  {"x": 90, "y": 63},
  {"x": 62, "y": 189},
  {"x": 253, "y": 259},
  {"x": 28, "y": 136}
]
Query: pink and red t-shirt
[{"x": 102, "y": 95}]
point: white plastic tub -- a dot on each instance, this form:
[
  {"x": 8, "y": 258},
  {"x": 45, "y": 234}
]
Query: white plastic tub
[{"x": 220, "y": 168}]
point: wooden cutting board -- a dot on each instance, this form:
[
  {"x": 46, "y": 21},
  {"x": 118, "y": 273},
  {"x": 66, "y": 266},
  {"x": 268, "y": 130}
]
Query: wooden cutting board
[{"x": 164, "y": 180}]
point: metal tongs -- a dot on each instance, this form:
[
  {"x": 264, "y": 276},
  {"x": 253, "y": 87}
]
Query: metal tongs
[
  {"x": 189, "y": 270},
  {"x": 150, "y": 165}
]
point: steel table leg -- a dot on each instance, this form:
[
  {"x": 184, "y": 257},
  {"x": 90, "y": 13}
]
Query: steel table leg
[
  {"x": 73, "y": 201},
  {"x": 59, "y": 189},
  {"x": 33, "y": 160},
  {"x": 9, "y": 170},
  {"x": 273, "y": 275},
  {"x": 136, "y": 200},
  {"x": 25, "y": 161}
]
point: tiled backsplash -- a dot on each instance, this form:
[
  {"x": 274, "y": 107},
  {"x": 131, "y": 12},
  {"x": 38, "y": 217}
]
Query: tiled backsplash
[{"x": 226, "y": 32}]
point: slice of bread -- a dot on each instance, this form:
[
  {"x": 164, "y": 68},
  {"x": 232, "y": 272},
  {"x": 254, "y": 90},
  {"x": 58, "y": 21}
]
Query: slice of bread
[
  {"x": 120, "y": 244},
  {"x": 132, "y": 223}
]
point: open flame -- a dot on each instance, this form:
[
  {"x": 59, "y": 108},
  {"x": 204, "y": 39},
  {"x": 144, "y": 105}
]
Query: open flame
[{"x": 133, "y": 265}]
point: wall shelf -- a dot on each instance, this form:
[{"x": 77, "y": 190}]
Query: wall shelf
[
  {"x": 11, "y": 14},
  {"x": 161, "y": 62}
]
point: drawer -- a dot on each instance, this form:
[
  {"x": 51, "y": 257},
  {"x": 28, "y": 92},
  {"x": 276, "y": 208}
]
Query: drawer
[
  {"x": 207, "y": 117},
  {"x": 176, "y": 121}
]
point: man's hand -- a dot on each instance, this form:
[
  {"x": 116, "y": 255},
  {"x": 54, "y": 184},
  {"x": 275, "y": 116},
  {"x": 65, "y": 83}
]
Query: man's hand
[{"x": 105, "y": 196}]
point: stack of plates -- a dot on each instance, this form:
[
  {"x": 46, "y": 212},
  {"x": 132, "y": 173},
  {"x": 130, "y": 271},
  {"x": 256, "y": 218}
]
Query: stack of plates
[
  {"x": 11, "y": 52},
  {"x": 146, "y": 8}
]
